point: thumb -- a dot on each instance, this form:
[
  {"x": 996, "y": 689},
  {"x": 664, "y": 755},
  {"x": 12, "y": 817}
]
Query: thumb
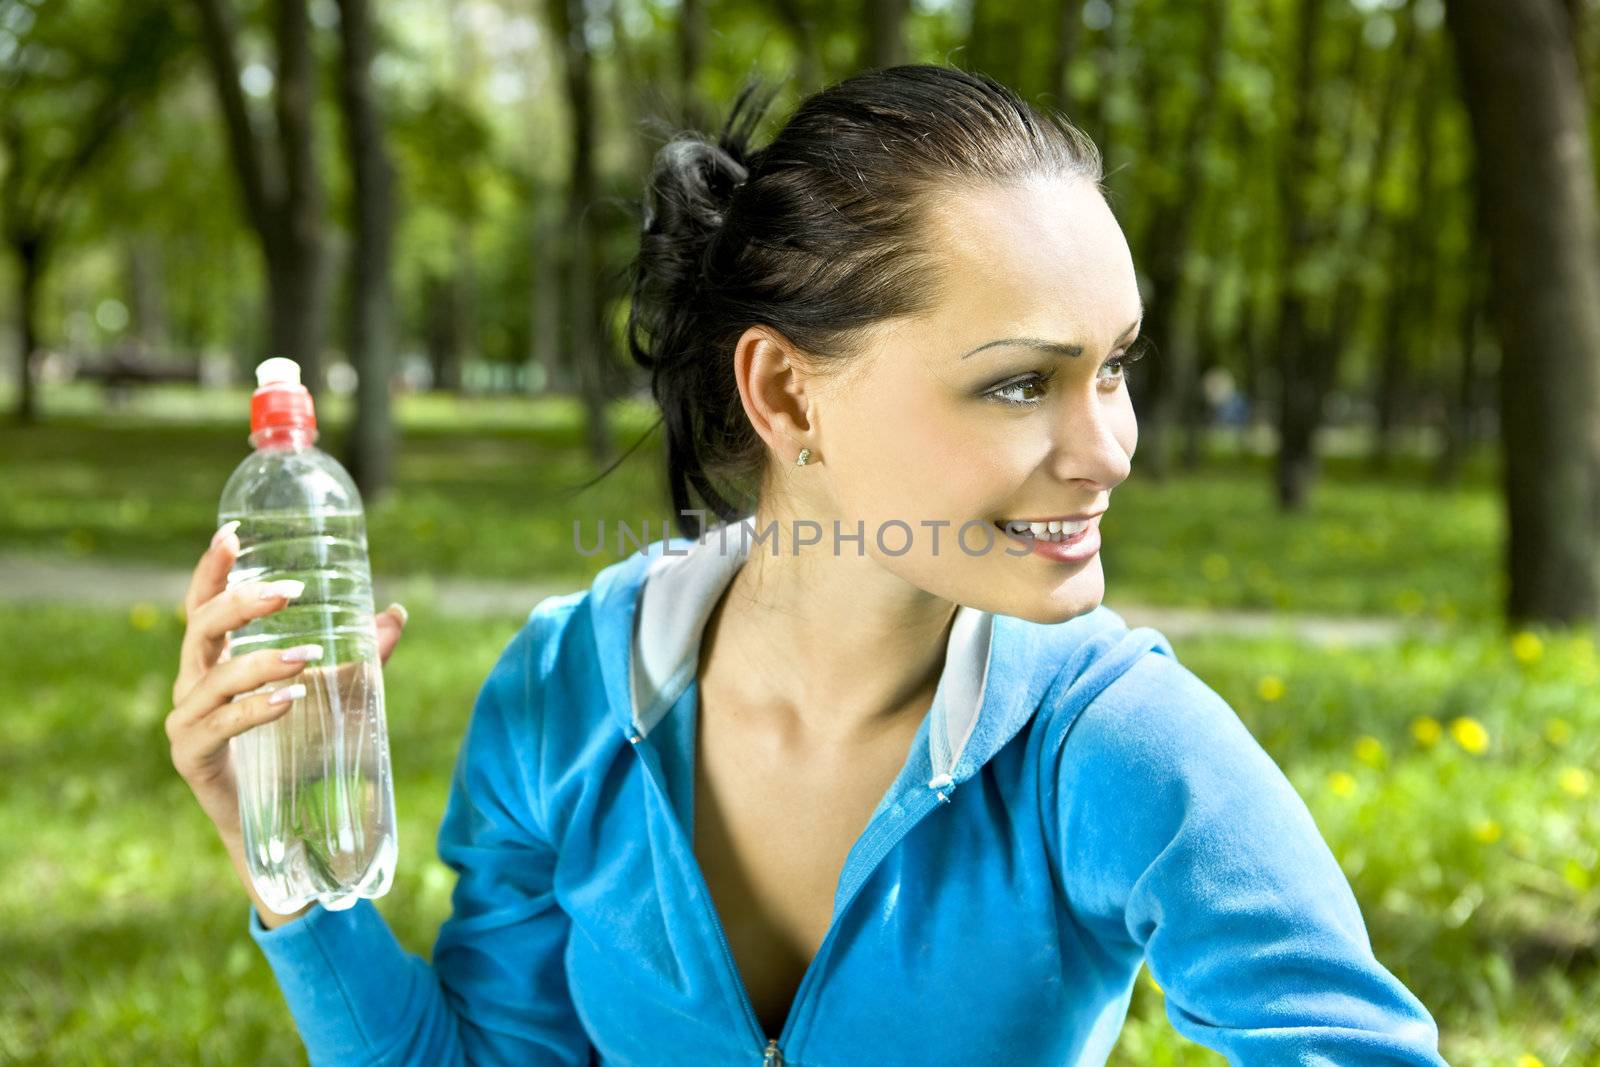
[{"x": 391, "y": 622}]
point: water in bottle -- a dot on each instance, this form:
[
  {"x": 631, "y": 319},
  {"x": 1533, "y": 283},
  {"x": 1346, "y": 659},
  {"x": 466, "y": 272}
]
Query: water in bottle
[{"x": 316, "y": 796}]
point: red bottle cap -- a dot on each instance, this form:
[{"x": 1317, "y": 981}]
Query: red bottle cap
[{"x": 280, "y": 403}]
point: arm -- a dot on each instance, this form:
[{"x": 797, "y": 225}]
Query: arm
[
  {"x": 1178, "y": 834},
  {"x": 496, "y": 990}
]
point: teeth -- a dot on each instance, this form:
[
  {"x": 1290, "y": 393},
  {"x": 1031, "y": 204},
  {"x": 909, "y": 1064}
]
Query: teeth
[{"x": 1053, "y": 530}]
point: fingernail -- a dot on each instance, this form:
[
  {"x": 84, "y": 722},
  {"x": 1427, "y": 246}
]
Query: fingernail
[
  {"x": 223, "y": 531},
  {"x": 400, "y": 610},
  {"x": 284, "y": 587},
  {"x": 301, "y": 653},
  {"x": 287, "y": 693}
]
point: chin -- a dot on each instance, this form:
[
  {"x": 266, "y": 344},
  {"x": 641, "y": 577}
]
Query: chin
[{"x": 1077, "y": 596}]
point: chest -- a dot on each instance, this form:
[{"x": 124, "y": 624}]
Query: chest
[{"x": 771, "y": 835}]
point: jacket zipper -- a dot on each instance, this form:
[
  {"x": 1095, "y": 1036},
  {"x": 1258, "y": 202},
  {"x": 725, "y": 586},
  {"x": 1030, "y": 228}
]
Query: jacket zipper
[{"x": 772, "y": 1048}]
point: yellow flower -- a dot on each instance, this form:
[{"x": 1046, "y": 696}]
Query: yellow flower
[
  {"x": 1214, "y": 567},
  {"x": 1270, "y": 687},
  {"x": 1150, "y": 980},
  {"x": 1410, "y": 601},
  {"x": 1526, "y": 646},
  {"x": 1342, "y": 783},
  {"x": 143, "y": 615},
  {"x": 1470, "y": 734},
  {"x": 1574, "y": 780},
  {"x": 1528, "y": 1059},
  {"x": 1487, "y": 831},
  {"x": 1557, "y": 731},
  {"x": 1369, "y": 750},
  {"x": 1427, "y": 731}
]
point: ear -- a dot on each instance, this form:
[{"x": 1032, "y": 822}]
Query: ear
[{"x": 777, "y": 392}]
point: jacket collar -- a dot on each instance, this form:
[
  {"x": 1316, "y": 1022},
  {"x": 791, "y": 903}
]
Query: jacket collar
[{"x": 650, "y": 609}]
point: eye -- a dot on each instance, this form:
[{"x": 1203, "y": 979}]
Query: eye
[
  {"x": 1022, "y": 392},
  {"x": 1132, "y": 354}
]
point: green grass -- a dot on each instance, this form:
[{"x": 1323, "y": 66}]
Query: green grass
[
  {"x": 1472, "y": 847},
  {"x": 487, "y": 492},
  {"x": 483, "y": 488}
]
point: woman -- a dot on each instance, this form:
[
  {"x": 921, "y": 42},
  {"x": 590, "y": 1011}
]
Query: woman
[{"x": 889, "y": 784}]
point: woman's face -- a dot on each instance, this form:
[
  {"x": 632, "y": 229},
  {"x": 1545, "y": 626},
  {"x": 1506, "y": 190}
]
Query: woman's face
[{"x": 945, "y": 418}]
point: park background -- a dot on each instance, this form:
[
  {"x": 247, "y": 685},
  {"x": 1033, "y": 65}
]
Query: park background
[{"x": 1365, "y": 507}]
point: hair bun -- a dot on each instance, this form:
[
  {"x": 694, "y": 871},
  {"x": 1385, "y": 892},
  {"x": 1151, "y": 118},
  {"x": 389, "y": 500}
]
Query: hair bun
[{"x": 695, "y": 179}]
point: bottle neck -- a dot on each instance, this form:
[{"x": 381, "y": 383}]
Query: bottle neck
[{"x": 284, "y": 438}]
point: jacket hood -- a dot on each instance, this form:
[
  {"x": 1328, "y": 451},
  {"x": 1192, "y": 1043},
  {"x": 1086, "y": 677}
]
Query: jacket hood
[{"x": 650, "y": 609}]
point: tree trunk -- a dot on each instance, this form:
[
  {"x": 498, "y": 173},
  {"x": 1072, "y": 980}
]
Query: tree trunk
[
  {"x": 691, "y": 47},
  {"x": 30, "y": 263},
  {"x": 371, "y": 445},
  {"x": 884, "y": 42},
  {"x": 802, "y": 29},
  {"x": 145, "y": 284},
  {"x": 283, "y": 204},
  {"x": 586, "y": 349},
  {"x": 1169, "y": 374},
  {"x": 1069, "y": 34},
  {"x": 545, "y": 329},
  {"x": 1537, "y": 209},
  {"x": 1299, "y": 398}
]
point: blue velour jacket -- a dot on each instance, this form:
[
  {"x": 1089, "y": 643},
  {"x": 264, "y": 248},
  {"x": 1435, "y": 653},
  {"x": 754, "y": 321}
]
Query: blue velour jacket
[{"x": 1075, "y": 802}]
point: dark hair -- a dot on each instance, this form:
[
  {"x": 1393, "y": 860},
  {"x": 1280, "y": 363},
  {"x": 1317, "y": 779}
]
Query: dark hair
[{"x": 815, "y": 234}]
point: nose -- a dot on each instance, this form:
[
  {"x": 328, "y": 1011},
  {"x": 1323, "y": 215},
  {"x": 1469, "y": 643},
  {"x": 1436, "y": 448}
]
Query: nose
[{"x": 1094, "y": 441}]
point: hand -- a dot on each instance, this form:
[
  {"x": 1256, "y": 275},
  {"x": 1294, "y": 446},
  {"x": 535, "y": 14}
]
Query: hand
[{"x": 207, "y": 703}]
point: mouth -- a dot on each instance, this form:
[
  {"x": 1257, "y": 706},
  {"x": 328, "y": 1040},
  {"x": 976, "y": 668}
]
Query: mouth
[{"x": 1063, "y": 528}]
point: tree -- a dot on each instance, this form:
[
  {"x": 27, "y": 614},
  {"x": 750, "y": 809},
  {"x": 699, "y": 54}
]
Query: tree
[
  {"x": 372, "y": 314},
  {"x": 1540, "y": 222},
  {"x": 81, "y": 71},
  {"x": 586, "y": 344},
  {"x": 278, "y": 178}
]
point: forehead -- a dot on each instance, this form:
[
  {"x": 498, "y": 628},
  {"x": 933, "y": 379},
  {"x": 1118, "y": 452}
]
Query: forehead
[{"x": 1044, "y": 252}]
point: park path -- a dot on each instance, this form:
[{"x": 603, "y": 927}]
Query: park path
[{"x": 103, "y": 583}]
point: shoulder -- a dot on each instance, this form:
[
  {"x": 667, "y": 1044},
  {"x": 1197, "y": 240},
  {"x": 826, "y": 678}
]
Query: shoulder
[{"x": 1159, "y": 743}]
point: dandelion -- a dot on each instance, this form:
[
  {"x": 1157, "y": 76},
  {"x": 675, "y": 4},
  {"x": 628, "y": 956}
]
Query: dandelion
[
  {"x": 1487, "y": 831},
  {"x": 1214, "y": 567},
  {"x": 1470, "y": 734},
  {"x": 1410, "y": 601},
  {"x": 1574, "y": 781},
  {"x": 1270, "y": 687},
  {"x": 1557, "y": 731},
  {"x": 1526, "y": 647},
  {"x": 1426, "y": 730},
  {"x": 143, "y": 615},
  {"x": 1369, "y": 750},
  {"x": 1150, "y": 980},
  {"x": 1528, "y": 1059},
  {"x": 1342, "y": 783}
]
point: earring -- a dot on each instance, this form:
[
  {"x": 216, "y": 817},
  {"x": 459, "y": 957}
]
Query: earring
[{"x": 805, "y": 454}]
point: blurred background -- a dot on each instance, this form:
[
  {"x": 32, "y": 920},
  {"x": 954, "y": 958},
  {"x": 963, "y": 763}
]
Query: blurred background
[{"x": 1365, "y": 507}]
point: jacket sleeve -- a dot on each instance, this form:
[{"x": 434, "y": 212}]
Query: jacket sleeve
[
  {"x": 496, "y": 990},
  {"x": 1178, "y": 834}
]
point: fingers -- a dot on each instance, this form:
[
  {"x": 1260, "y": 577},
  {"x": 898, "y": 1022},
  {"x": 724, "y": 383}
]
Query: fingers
[
  {"x": 391, "y": 622},
  {"x": 211, "y": 622},
  {"x": 232, "y": 678},
  {"x": 210, "y": 575},
  {"x": 197, "y": 745}
]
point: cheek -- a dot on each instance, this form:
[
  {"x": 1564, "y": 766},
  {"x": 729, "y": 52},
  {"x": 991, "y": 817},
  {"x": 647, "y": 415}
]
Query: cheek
[{"x": 926, "y": 457}]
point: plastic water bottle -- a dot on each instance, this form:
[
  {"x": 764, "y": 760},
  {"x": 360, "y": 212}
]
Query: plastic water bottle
[{"x": 316, "y": 795}]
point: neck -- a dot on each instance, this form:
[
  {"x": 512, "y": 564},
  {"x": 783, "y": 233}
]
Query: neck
[{"x": 832, "y": 648}]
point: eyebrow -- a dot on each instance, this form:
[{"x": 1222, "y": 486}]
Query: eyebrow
[{"x": 1055, "y": 347}]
